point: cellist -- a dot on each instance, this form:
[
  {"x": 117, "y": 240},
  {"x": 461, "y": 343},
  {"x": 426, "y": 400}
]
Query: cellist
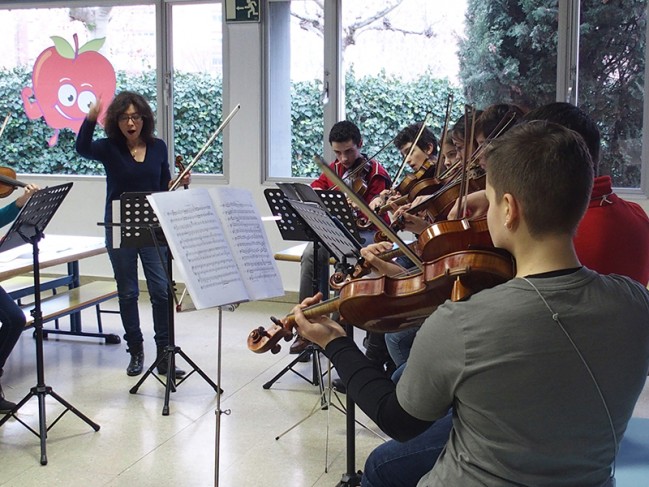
[{"x": 517, "y": 363}]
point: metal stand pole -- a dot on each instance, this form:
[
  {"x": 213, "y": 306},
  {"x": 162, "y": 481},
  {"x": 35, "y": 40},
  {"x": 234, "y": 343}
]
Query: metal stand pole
[{"x": 218, "y": 412}]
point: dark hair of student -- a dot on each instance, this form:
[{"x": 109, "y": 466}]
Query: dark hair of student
[
  {"x": 546, "y": 167},
  {"x": 457, "y": 130},
  {"x": 409, "y": 134},
  {"x": 344, "y": 131},
  {"x": 575, "y": 119},
  {"x": 492, "y": 116},
  {"x": 118, "y": 107}
]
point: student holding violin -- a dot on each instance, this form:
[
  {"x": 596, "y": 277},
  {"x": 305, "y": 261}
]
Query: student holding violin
[
  {"x": 367, "y": 178},
  {"x": 614, "y": 234},
  {"x": 490, "y": 123},
  {"x": 134, "y": 161},
  {"x": 11, "y": 316},
  {"x": 421, "y": 159},
  {"x": 522, "y": 365}
]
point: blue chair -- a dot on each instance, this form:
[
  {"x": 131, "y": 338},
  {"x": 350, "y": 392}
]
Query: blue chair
[{"x": 632, "y": 466}]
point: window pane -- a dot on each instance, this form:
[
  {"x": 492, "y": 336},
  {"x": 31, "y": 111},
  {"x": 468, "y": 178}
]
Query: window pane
[
  {"x": 296, "y": 52},
  {"x": 402, "y": 62},
  {"x": 612, "y": 50},
  {"x": 198, "y": 84},
  {"x": 52, "y": 66}
]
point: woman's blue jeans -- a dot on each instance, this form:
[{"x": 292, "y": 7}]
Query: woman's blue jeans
[
  {"x": 13, "y": 324},
  {"x": 395, "y": 464},
  {"x": 124, "y": 261}
]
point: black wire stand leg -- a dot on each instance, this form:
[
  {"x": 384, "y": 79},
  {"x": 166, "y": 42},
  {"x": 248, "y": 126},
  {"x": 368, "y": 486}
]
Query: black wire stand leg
[
  {"x": 41, "y": 390},
  {"x": 302, "y": 357}
]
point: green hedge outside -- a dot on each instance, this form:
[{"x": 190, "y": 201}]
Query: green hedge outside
[{"x": 380, "y": 105}]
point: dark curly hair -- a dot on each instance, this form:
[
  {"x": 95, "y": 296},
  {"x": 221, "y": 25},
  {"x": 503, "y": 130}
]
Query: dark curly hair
[
  {"x": 409, "y": 134},
  {"x": 344, "y": 131},
  {"x": 118, "y": 107}
]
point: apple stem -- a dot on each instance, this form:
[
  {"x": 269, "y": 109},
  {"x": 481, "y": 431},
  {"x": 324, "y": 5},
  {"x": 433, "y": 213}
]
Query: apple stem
[{"x": 76, "y": 45}]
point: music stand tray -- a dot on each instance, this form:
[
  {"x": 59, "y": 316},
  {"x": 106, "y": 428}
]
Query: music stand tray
[{"x": 28, "y": 228}]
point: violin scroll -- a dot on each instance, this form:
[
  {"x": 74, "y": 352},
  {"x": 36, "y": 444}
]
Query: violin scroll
[{"x": 262, "y": 340}]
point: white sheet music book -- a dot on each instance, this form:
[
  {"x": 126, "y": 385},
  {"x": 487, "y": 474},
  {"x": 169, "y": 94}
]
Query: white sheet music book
[{"x": 219, "y": 245}]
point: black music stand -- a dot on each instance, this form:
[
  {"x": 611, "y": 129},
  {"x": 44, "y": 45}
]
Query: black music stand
[
  {"x": 140, "y": 228},
  {"x": 341, "y": 244},
  {"x": 28, "y": 228},
  {"x": 292, "y": 227}
]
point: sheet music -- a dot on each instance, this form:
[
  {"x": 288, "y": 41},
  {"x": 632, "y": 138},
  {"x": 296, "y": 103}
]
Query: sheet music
[
  {"x": 248, "y": 242},
  {"x": 217, "y": 245}
]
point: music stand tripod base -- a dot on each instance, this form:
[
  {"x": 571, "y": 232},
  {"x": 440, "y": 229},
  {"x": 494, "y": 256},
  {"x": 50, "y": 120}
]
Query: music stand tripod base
[
  {"x": 29, "y": 226},
  {"x": 140, "y": 228}
]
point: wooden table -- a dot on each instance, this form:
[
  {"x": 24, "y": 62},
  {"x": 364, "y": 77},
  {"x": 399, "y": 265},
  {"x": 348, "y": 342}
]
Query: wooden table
[
  {"x": 294, "y": 254},
  {"x": 54, "y": 250}
]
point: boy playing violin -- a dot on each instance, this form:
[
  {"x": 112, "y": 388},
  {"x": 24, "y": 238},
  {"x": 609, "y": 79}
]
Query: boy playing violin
[
  {"x": 559, "y": 352},
  {"x": 354, "y": 168}
]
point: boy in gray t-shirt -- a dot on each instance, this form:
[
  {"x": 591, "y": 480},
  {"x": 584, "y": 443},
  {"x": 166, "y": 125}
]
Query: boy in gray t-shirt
[{"x": 543, "y": 371}]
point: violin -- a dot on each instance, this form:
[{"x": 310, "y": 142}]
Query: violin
[
  {"x": 436, "y": 240},
  {"x": 356, "y": 179},
  {"x": 417, "y": 184},
  {"x": 357, "y": 176},
  {"x": 385, "y": 304},
  {"x": 8, "y": 182}
]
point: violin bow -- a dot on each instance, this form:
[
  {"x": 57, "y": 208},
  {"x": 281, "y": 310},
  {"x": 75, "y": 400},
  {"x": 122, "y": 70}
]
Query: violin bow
[
  {"x": 412, "y": 148},
  {"x": 373, "y": 217},
  {"x": 447, "y": 119},
  {"x": 469, "y": 134},
  {"x": 4, "y": 124},
  {"x": 503, "y": 124},
  {"x": 206, "y": 146}
]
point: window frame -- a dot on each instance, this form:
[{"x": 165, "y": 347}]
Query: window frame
[{"x": 164, "y": 63}]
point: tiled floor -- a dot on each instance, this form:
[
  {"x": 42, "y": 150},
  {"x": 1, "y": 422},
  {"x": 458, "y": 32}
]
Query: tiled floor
[{"x": 137, "y": 446}]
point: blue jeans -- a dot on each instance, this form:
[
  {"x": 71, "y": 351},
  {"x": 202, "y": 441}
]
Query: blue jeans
[
  {"x": 124, "y": 261},
  {"x": 399, "y": 344},
  {"x": 395, "y": 464},
  {"x": 13, "y": 324}
]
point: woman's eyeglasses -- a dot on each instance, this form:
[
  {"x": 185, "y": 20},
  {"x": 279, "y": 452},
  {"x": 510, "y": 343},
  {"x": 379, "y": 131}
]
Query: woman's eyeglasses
[{"x": 136, "y": 117}]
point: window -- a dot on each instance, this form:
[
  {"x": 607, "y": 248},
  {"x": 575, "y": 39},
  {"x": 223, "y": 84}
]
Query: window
[
  {"x": 295, "y": 91},
  {"x": 198, "y": 84},
  {"x": 114, "y": 49},
  {"x": 58, "y": 60},
  {"x": 400, "y": 58},
  {"x": 612, "y": 54}
]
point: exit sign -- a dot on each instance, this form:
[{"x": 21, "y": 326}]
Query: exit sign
[{"x": 242, "y": 10}]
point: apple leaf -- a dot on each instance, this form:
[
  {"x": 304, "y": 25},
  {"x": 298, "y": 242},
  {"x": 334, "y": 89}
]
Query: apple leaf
[
  {"x": 93, "y": 45},
  {"x": 63, "y": 47}
]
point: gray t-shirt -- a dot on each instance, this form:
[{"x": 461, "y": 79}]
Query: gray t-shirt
[{"x": 526, "y": 409}]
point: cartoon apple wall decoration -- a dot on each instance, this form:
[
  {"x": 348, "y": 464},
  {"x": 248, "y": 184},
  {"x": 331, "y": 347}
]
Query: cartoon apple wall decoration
[{"x": 65, "y": 81}]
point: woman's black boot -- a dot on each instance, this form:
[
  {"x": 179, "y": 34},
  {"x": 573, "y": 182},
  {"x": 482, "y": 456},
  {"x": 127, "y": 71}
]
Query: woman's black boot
[{"x": 136, "y": 364}]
